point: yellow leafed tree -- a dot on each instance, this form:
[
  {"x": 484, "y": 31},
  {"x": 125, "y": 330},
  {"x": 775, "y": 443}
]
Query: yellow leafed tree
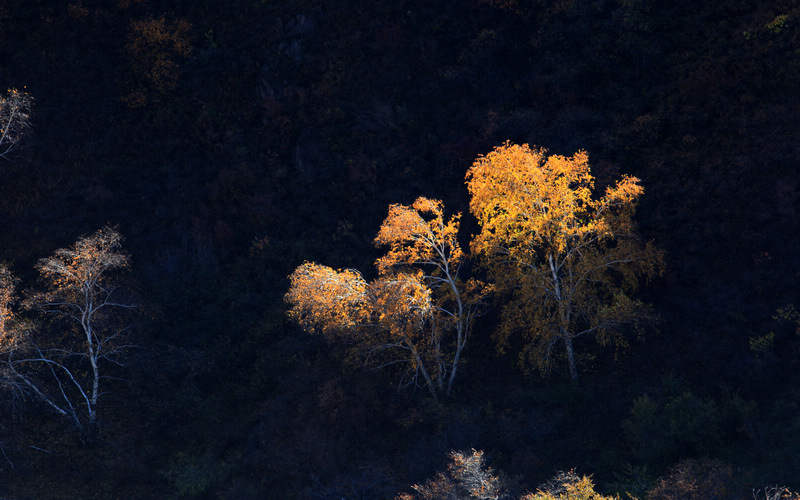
[
  {"x": 417, "y": 308},
  {"x": 326, "y": 300},
  {"x": 418, "y": 236},
  {"x": 568, "y": 260},
  {"x": 467, "y": 477},
  {"x": 568, "y": 486}
]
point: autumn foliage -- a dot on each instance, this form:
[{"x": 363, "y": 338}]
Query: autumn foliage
[
  {"x": 78, "y": 276},
  {"x": 417, "y": 308},
  {"x": 340, "y": 298},
  {"x": 568, "y": 486},
  {"x": 412, "y": 239},
  {"x": 419, "y": 238},
  {"x": 567, "y": 259},
  {"x": 256, "y": 135},
  {"x": 467, "y": 477}
]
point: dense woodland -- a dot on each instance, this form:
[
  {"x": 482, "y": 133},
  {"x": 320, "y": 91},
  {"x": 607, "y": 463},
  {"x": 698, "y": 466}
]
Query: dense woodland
[{"x": 230, "y": 141}]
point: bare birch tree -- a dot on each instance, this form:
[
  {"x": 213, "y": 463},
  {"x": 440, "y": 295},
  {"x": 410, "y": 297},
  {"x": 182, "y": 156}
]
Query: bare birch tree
[{"x": 63, "y": 367}]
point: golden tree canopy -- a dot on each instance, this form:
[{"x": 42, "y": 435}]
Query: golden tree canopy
[
  {"x": 567, "y": 258},
  {"x": 528, "y": 203},
  {"x": 326, "y": 300},
  {"x": 417, "y": 308},
  {"x": 415, "y": 239}
]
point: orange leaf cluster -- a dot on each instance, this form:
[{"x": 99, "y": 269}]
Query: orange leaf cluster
[
  {"x": 326, "y": 300},
  {"x": 416, "y": 298},
  {"x": 80, "y": 270},
  {"x": 527, "y": 201},
  {"x": 414, "y": 239}
]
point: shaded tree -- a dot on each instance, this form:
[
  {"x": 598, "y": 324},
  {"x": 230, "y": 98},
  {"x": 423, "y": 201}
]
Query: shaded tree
[
  {"x": 7, "y": 297},
  {"x": 700, "y": 479},
  {"x": 569, "y": 261},
  {"x": 156, "y": 46},
  {"x": 15, "y": 119}
]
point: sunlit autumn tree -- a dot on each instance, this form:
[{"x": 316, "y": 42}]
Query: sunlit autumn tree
[
  {"x": 15, "y": 119},
  {"x": 467, "y": 477},
  {"x": 568, "y": 486},
  {"x": 327, "y": 301},
  {"x": 419, "y": 237},
  {"x": 416, "y": 312},
  {"x": 62, "y": 366},
  {"x": 568, "y": 259}
]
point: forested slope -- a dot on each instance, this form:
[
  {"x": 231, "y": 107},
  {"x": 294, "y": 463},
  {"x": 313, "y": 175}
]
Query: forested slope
[{"x": 230, "y": 141}]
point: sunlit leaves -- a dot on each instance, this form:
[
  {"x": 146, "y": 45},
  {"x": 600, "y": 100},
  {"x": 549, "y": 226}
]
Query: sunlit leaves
[
  {"x": 401, "y": 303},
  {"x": 567, "y": 258},
  {"x": 568, "y": 486},
  {"x": 341, "y": 302},
  {"x": 326, "y": 300},
  {"x": 77, "y": 275},
  {"x": 60, "y": 368},
  {"x": 419, "y": 235},
  {"x": 467, "y": 476},
  {"x": 416, "y": 306},
  {"x": 527, "y": 201}
]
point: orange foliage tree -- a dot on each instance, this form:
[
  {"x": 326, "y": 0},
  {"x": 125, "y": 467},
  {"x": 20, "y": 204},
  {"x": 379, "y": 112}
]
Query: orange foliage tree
[
  {"x": 568, "y": 260},
  {"x": 568, "y": 486},
  {"x": 467, "y": 477},
  {"x": 417, "y": 308}
]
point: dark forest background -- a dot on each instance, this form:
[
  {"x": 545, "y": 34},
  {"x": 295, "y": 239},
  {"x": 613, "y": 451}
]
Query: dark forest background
[{"x": 231, "y": 140}]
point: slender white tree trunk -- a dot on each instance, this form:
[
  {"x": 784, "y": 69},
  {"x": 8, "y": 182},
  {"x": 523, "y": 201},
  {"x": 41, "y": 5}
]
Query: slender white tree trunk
[{"x": 573, "y": 371}]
